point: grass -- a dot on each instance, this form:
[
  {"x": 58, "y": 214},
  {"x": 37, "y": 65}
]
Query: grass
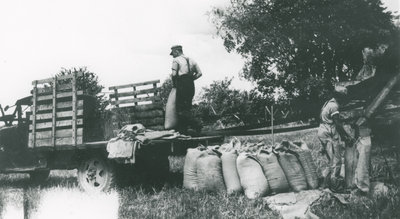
[
  {"x": 178, "y": 203},
  {"x": 60, "y": 196}
]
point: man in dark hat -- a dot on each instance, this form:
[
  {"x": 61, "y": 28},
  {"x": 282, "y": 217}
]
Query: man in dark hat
[
  {"x": 184, "y": 72},
  {"x": 331, "y": 131}
]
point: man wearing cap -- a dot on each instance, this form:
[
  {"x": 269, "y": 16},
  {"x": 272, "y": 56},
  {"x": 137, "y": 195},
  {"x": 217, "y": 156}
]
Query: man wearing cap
[
  {"x": 184, "y": 72},
  {"x": 330, "y": 131}
]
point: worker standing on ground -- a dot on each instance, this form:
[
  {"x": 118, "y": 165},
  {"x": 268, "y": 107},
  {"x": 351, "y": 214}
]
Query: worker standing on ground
[
  {"x": 330, "y": 132},
  {"x": 184, "y": 72}
]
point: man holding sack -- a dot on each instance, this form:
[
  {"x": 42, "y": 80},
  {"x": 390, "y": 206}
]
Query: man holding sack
[{"x": 184, "y": 72}]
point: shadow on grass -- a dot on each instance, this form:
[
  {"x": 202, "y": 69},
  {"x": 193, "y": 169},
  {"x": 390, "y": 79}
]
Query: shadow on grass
[
  {"x": 22, "y": 181},
  {"x": 148, "y": 182}
]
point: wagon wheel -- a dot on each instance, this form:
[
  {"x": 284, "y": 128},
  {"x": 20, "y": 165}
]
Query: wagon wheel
[
  {"x": 96, "y": 174},
  {"x": 39, "y": 176}
]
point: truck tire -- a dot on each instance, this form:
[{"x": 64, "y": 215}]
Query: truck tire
[
  {"x": 96, "y": 174},
  {"x": 39, "y": 176}
]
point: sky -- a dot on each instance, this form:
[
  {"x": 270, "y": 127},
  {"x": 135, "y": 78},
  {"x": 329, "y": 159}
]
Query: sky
[{"x": 122, "y": 41}]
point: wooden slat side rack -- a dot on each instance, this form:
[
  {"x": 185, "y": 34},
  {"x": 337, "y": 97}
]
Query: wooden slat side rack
[
  {"x": 57, "y": 113},
  {"x": 139, "y": 103}
]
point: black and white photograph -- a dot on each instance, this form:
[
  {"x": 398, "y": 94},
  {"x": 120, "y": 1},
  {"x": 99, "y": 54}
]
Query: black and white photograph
[{"x": 130, "y": 109}]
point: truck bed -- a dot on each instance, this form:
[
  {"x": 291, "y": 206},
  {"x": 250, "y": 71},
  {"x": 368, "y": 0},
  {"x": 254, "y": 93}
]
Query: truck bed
[{"x": 174, "y": 146}]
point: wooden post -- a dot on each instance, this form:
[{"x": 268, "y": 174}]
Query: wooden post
[
  {"x": 116, "y": 96},
  {"x": 271, "y": 112},
  {"x": 53, "y": 127},
  {"x": 272, "y": 125},
  {"x": 155, "y": 89},
  {"x": 74, "y": 110},
  {"x": 34, "y": 97},
  {"x": 134, "y": 95}
]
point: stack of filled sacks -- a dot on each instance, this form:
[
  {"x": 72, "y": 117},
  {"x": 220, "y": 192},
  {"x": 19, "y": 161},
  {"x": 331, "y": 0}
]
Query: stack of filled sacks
[
  {"x": 203, "y": 170},
  {"x": 296, "y": 157},
  {"x": 256, "y": 169}
]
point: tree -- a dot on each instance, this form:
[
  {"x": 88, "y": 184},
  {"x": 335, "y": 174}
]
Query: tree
[
  {"x": 91, "y": 86},
  {"x": 219, "y": 101},
  {"x": 302, "y": 46},
  {"x": 89, "y": 83}
]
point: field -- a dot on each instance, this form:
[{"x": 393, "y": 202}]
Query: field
[{"x": 60, "y": 196}]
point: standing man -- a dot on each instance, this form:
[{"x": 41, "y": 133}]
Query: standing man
[
  {"x": 331, "y": 131},
  {"x": 184, "y": 72}
]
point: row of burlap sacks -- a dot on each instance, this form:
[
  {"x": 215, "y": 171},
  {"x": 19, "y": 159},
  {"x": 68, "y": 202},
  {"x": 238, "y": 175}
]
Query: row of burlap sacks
[{"x": 287, "y": 167}]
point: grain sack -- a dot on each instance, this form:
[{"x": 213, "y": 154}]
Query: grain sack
[
  {"x": 209, "y": 172},
  {"x": 293, "y": 171},
  {"x": 273, "y": 171},
  {"x": 230, "y": 173},
  {"x": 307, "y": 162},
  {"x": 171, "y": 116},
  {"x": 189, "y": 169},
  {"x": 251, "y": 176}
]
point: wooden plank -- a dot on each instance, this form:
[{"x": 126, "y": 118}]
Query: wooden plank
[
  {"x": 59, "y": 142},
  {"x": 134, "y": 84},
  {"x": 134, "y": 100},
  {"x": 59, "y": 105},
  {"x": 62, "y": 133},
  {"x": 60, "y": 78},
  {"x": 47, "y": 116},
  {"x": 135, "y": 92},
  {"x": 59, "y": 124},
  {"x": 48, "y": 90},
  {"x": 59, "y": 95}
]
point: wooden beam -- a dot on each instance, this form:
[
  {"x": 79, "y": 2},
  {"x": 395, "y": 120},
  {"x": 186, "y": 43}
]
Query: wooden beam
[
  {"x": 61, "y": 133},
  {"x": 63, "y": 123},
  {"x": 49, "y": 90},
  {"x": 134, "y": 100},
  {"x": 371, "y": 109},
  {"x": 60, "y": 78},
  {"x": 59, "y": 142},
  {"x": 134, "y": 84},
  {"x": 59, "y": 105},
  {"x": 64, "y": 114},
  {"x": 59, "y": 95}
]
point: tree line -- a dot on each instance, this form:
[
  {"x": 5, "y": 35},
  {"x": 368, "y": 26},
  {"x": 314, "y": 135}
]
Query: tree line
[{"x": 294, "y": 52}]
